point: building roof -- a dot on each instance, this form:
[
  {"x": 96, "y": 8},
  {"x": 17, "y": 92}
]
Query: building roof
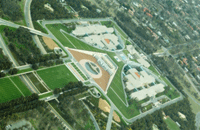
[
  {"x": 107, "y": 40},
  {"x": 137, "y": 74}
]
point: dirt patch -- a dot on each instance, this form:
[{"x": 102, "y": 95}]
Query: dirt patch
[
  {"x": 103, "y": 105},
  {"x": 104, "y": 79},
  {"x": 49, "y": 42},
  {"x": 116, "y": 117}
]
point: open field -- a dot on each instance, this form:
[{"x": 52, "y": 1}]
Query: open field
[
  {"x": 37, "y": 83},
  {"x": 8, "y": 91},
  {"x": 56, "y": 77},
  {"x": 171, "y": 124},
  {"x": 21, "y": 86},
  {"x": 49, "y": 42}
]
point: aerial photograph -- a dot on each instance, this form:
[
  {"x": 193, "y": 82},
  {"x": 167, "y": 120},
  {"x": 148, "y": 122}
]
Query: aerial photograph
[{"x": 99, "y": 64}]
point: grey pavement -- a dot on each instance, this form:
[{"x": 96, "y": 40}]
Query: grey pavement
[
  {"x": 197, "y": 119},
  {"x": 110, "y": 117}
]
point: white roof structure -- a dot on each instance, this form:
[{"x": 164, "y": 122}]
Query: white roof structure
[
  {"x": 137, "y": 79},
  {"x": 143, "y": 62},
  {"x": 109, "y": 41},
  {"x": 151, "y": 91},
  {"x": 91, "y": 29},
  {"x": 132, "y": 50}
]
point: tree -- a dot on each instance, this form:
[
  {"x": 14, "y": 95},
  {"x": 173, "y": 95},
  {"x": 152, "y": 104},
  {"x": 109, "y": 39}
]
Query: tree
[
  {"x": 35, "y": 66},
  {"x": 13, "y": 71},
  {"x": 2, "y": 74}
]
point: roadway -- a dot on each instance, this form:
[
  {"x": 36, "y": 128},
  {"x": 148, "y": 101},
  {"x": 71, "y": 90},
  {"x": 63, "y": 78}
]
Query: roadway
[
  {"x": 110, "y": 117},
  {"x": 197, "y": 120},
  {"x": 7, "y": 51},
  {"x": 28, "y": 19}
]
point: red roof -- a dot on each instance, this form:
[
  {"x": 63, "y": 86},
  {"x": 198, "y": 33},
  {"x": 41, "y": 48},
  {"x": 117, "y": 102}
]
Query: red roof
[
  {"x": 137, "y": 74},
  {"x": 107, "y": 40}
]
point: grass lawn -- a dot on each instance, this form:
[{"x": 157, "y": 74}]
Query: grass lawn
[
  {"x": 37, "y": 26},
  {"x": 57, "y": 77},
  {"x": 46, "y": 95},
  {"x": 21, "y": 85},
  {"x": 8, "y": 91},
  {"x": 37, "y": 83},
  {"x": 171, "y": 124},
  {"x": 129, "y": 111},
  {"x": 153, "y": 70}
]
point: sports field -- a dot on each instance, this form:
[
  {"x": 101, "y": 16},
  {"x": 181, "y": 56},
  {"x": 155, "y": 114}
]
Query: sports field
[
  {"x": 8, "y": 91},
  {"x": 21, "y": 86},
  {"x": 171, "y": 124},
  {"x": 57, "y": 77}
]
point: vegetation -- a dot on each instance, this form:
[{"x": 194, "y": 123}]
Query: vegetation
[
  {"x": 18, "y": 105},
  {"x": 38, "y": 11},
  {"x": 37, "y": 83},
  {"x": 79, "y": 71},
  {"x": 171, "y": 124},
  {"x": 21, "y": 85},
  {"x": 37, "y": 26},
  {"x": 8, "y": 91},
  {"x": 86, "y": 9},
  {"x": 56, "y": 77},
  {"x": 10, "y": 9},
  {"x": 4, "y": 61}
]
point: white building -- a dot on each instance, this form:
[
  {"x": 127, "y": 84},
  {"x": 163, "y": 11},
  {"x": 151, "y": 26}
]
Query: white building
[
  {"x": 48, "y": 7},
  {"x": 151, "y": 91},
  {"x": 137, "y": 79}
]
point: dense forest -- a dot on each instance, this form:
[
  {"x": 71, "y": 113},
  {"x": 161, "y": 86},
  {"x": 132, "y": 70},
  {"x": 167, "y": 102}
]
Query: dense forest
[
  {"x": 10, "y": 8},
  {"x": 172, "y": 111},
  {"x": 25, "y": 50},
  {"x": 86, "y": 9},
  {"x": 38, "y": 12},
  {"x": 4, "y": 62},
  {"x": 18, "y": 105}
]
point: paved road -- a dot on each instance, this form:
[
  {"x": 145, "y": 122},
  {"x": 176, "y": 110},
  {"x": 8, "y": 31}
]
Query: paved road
[
  {"x": 30, "y": 24},
  {"x": 110, "y": 117},
  {"x": 23, "y": 67},
  {"x": 7, "y": 52},
  {"x": 197, "y": 120}
]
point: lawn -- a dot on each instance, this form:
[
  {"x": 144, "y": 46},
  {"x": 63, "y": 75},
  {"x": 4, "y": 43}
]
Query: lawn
[
  {"x": 8, "y": 91},
  {"x": 129, "y": 111},
  {"x": 56, "y": 77},
  {"x": 171, "y": 124},
  {"x": 37, "y": 83},
  {"x": 21, "y": 85},
  {"x": 153, "y": 70},
  {"x": 25, "y": 70}
]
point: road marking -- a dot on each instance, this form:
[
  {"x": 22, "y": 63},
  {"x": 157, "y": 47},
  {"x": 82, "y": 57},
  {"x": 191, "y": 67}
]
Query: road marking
[{"x": 17, "y": 87}]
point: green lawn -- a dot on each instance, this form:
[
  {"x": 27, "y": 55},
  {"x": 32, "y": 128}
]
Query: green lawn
[
  {"x": 25, "y": 70},
  {"x": 153, "y": 70},
  {"x": 171, "y": 124},
  {"x": 57, "y": 77},
  {"x": 129, "y": 111},
  {"x": 8, "y": 91},
  {"x": 45, "y": 95},
  {"x": 21, "y": 86}
]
